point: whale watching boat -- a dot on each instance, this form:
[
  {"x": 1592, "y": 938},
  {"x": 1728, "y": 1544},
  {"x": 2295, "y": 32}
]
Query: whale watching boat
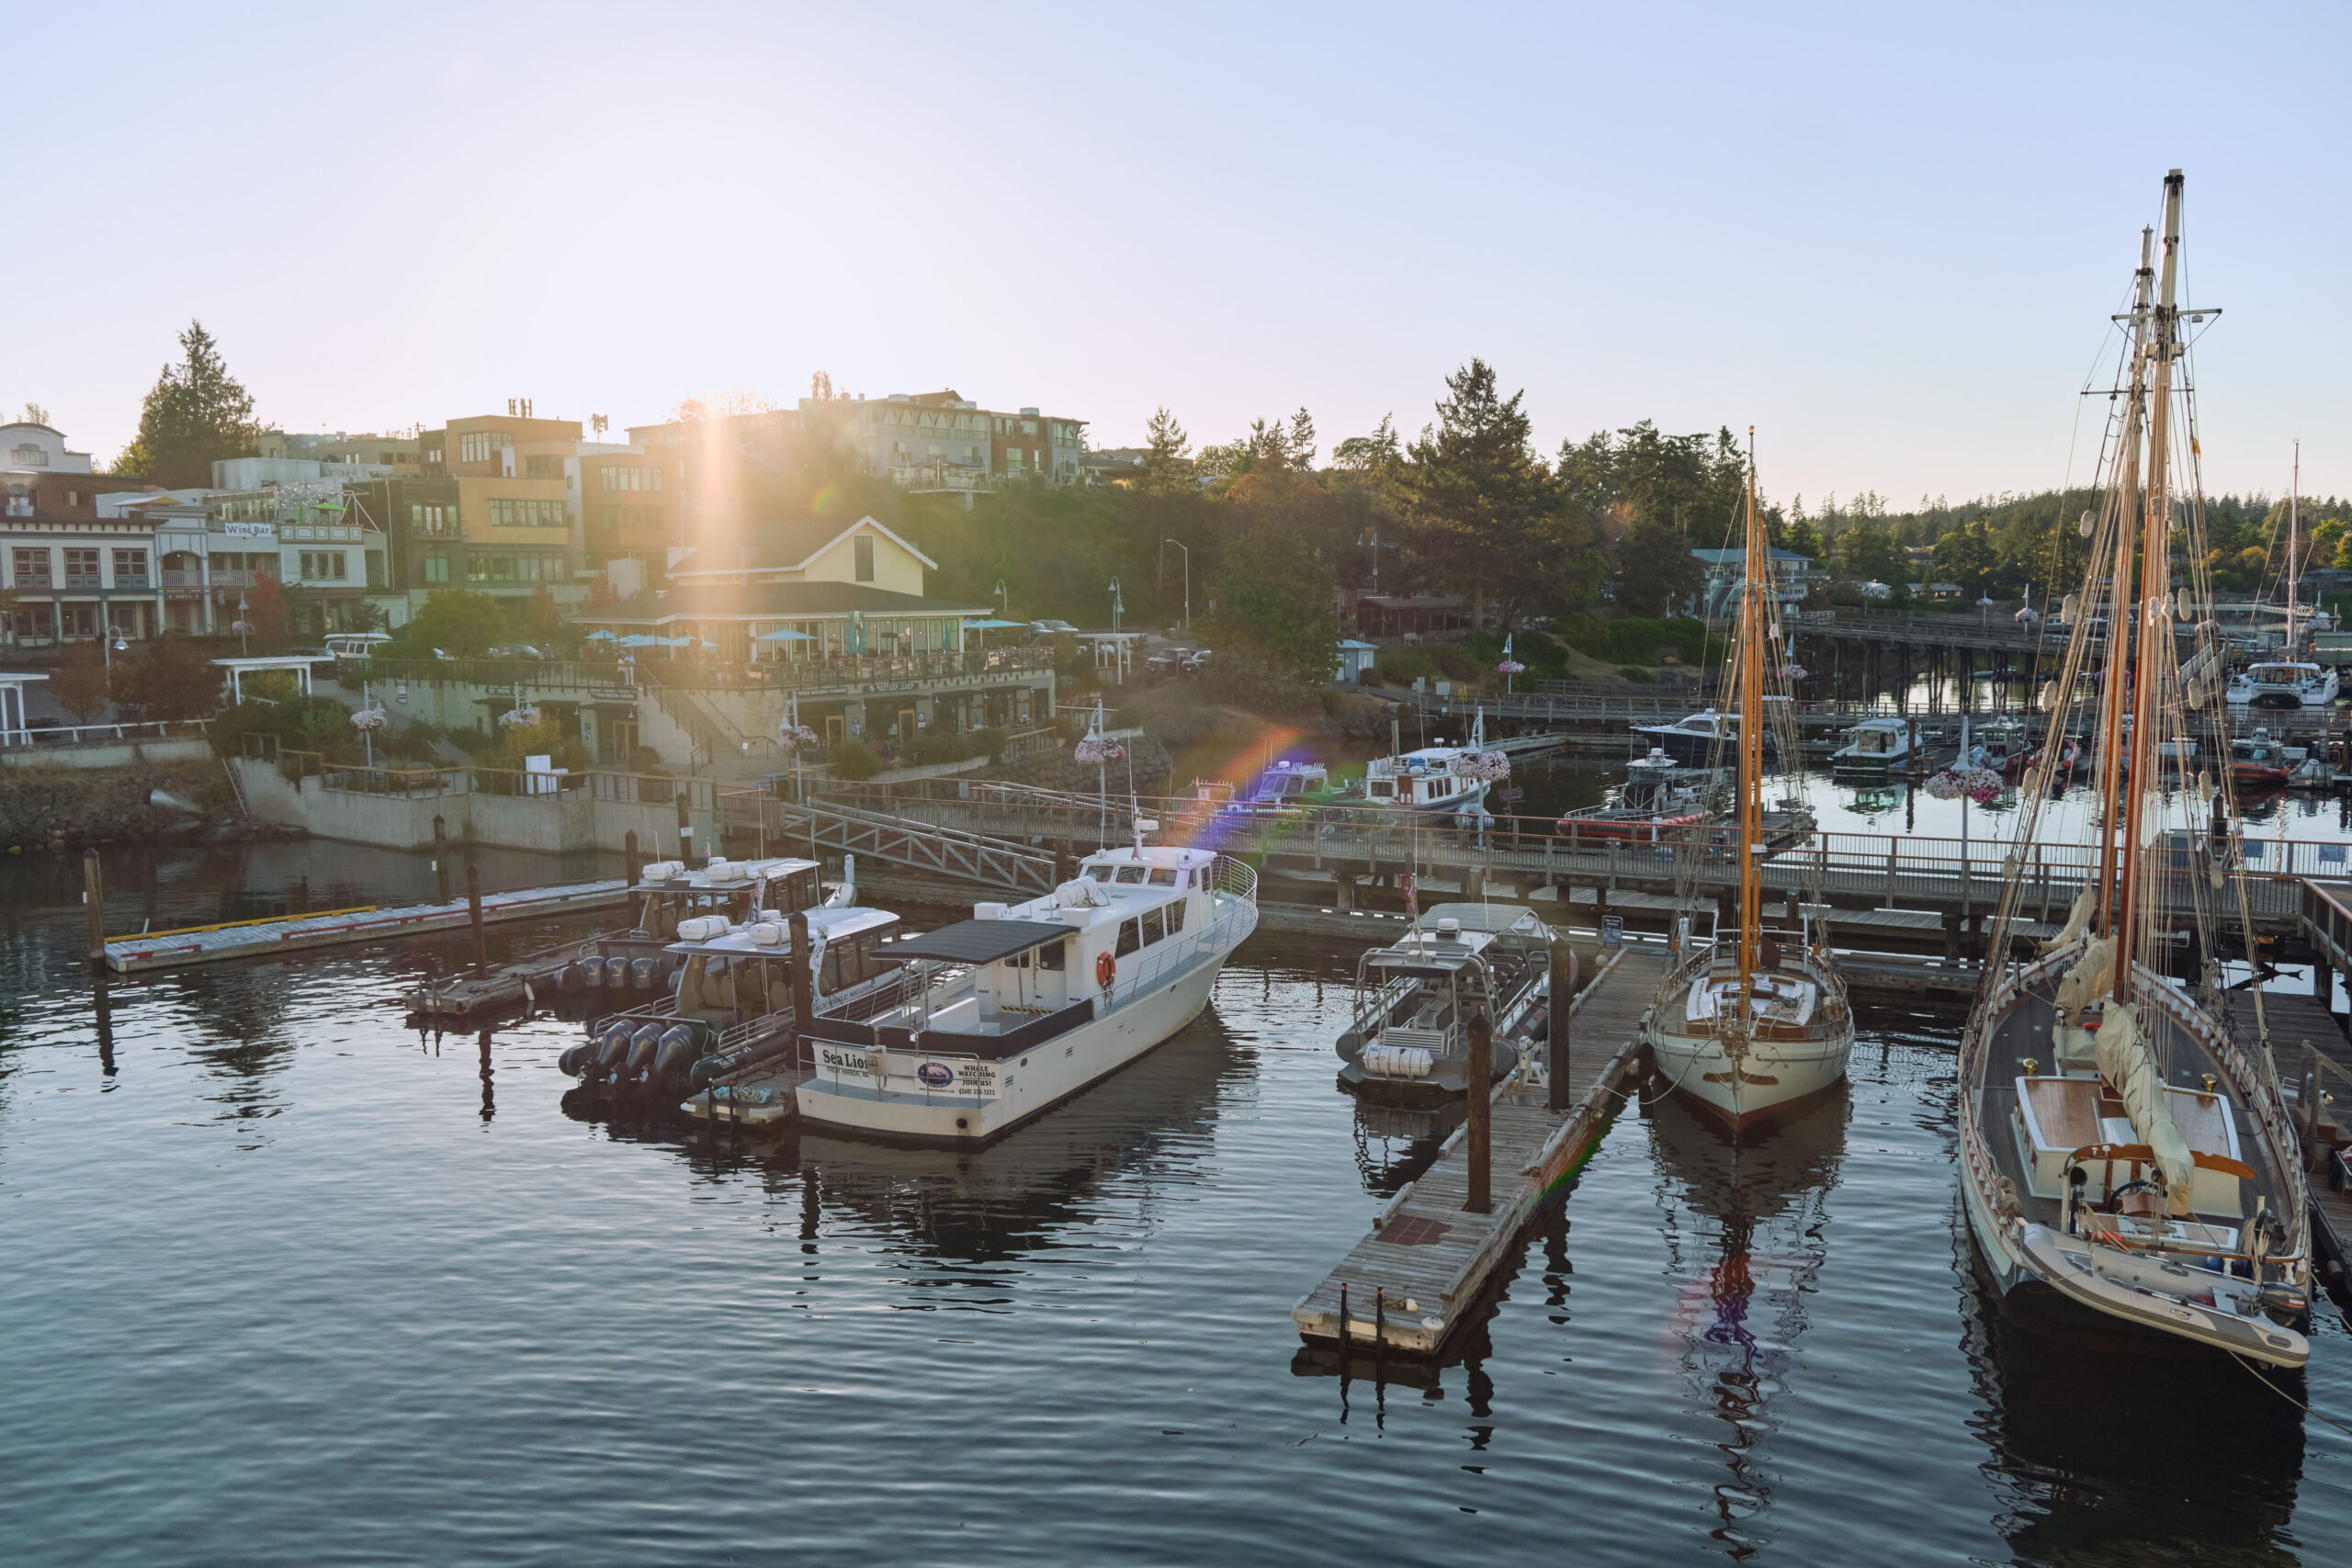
[
  {"x": 2127, "y": 1164},
  {"x": 1407, "y": 1040},
  {"x": 1659, "y": 797},
  {"x": 1755, "y": 1019},
  {"x": 995, "y": 1019}
]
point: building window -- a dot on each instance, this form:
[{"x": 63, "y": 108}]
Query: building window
[
  {"x": 130, "y": 568},
  {"x": 32, "y": 569},
  {"x": 325, "y": 566},
  {"x": 28, "y": 455},
  {"x": 436, "y": 566},
  {"x": 527, "y": 514},
  {"x": 543, "y": 468},
  {"x": 479, "y": 446},
  {"x": 432, "y": 519},
  {"x": 81, "y": 568},
  {"x": 862, "y": 554},
  {"x": 622, "y": 476},
  {"x": 632, "y": 517}
]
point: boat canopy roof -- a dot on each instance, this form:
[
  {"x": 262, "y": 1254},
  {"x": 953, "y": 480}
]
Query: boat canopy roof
[
  {"x": 723, "y": 875},
  {"x": 979, "y": 942},
  {"x": 1429, "y": 951},
  {"x": 825, "y": 924},
  {"x": 2290, "y": 668}
]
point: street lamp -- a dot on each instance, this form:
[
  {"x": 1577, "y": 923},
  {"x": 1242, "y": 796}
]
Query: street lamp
[
  {"x": 112, "y": 644},
  {"x": 245, "y": 630},
  {"x": 1188, "y": 578}
]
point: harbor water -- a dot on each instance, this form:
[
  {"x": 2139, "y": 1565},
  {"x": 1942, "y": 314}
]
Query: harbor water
[{"x": 287, "y": 1282}]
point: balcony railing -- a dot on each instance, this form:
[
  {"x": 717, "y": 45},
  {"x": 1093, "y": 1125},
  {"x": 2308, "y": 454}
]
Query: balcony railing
[
  {"x": 34, "y": 581},
  {"x": 795, "y": 674},
  {"x": 131, "y": 582}
]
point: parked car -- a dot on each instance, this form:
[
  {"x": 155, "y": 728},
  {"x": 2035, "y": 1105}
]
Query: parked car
[
  {"x": 1053, "y": 629},
  {"x": 1167, "y": 662},
  {"x": 1197, "y": 660},
  {"x": 515, "y": 651}
]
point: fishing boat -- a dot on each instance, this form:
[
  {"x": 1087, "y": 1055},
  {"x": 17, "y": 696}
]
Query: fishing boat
[
  {"x": 993, "y": 1019},
  {"x": 1878, "y": 745},
  {"x": 2127, "y": 1168},
  {"x": 2000, "y": 743},
  {"x": 1440, "y": 779},
  {"x": 2259, "y": 761},
  {"x": 1408, "y": 1037},
  {"x": 2283, "y": 683},
  {"x": 1658, "y": 798},
  {"x": 1755, "y": 1020}
]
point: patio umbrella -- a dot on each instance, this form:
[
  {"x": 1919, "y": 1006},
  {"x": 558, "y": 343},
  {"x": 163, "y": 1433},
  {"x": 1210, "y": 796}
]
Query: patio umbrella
[
  {"x": 990, "y": 625},
  {"x": 639, "y": 639},
  {"x": 785, "y": 635},
  {"x": 598, "y": 637}
]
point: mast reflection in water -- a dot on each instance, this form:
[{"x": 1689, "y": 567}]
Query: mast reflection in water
[{"x": 1745, "y": 1222}]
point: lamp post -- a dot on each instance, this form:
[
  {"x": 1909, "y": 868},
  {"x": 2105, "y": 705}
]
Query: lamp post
[
  {"x": 110, "y": 645},
  {"x": 1188, "y": 578},
  {"x": 245, "y": 630}
]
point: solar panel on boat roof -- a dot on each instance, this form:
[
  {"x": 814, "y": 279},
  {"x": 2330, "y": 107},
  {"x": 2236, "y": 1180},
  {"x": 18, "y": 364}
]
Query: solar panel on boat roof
[{"x": 979, "y": 941}]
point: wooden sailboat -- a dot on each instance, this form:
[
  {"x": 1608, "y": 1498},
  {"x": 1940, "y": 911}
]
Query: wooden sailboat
[
  {"x": 2126, "y": 1159},
  {"x": 1756, "y": 1019}
]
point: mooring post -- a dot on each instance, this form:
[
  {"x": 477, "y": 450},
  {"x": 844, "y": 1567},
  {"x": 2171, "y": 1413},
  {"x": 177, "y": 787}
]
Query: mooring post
[
  {"x": 686, "y": 826},
  {"x": 473, "y": 915},
  {"x": 800, "y": 986},
  {"x": 1479, "y": 1141},
  {"x": 1557, "y": 1046},
  {"x": 93, "y": 905},
  {"x": 441, "y": 856}
]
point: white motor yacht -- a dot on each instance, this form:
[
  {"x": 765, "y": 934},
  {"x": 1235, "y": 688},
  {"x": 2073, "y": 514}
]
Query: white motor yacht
[
  {"x": 2282, "y": 685},
  {"x": 1439, "y": 778},
  {"x": 996, "y": 1018},
  {"x": 1880, "y": 744}
]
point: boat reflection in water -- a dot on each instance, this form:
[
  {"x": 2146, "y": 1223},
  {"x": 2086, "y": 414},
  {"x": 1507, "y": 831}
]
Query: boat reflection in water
[
  {"x": 2103, "y": 1458},
  {"x": 1745, "y": 1224},
  {"x": 990, "y": 1203}
]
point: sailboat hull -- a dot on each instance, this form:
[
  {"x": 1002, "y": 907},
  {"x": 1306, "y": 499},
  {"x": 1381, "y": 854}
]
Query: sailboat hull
[{"x": 1744, "y": 1080}]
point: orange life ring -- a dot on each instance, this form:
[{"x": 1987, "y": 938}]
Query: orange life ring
[{"x": 1106, "y": 969}]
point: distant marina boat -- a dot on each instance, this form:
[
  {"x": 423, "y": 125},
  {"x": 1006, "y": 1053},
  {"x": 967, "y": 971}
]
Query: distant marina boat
[
  {"x": 1702, "y": 739},
  {"x": 1407, "y": 1040},
  {"x": 2282, "y": 684},
  {"x": 1659, "y": 797},
  {"x": 1439, "y": 779},
  {"x": 994, "y": 1019},
  {"x": 1878, "y": 745},
  {"x": 1282, "y": 788}
]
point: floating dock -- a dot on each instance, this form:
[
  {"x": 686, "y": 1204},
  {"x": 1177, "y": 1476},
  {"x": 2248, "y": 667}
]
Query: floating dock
[
  {"x": 341, "y": 928},
  {"x": 1418, "y": 1275}
]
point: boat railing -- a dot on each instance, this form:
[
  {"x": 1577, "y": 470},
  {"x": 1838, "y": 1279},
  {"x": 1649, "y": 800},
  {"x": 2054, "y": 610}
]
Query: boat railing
[{"x": 1229, "y": 880}]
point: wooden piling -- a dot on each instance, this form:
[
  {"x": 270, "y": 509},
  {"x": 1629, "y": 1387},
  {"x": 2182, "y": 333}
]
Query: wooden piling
[
  {"x": 1481, "y": 1135},
  {"x": 1557, "y": 1048},
  {"x": 441, "y": 857},
  {"x": 93, "y": 905},
  {"x": 686, "y": 826},
  {"x": 474, "y": 919},
  {"x": 800, "y": 998}
]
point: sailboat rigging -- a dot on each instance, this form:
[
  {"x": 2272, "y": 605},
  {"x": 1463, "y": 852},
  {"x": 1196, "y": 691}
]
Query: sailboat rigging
[{"x": 2126, "y": 1160}]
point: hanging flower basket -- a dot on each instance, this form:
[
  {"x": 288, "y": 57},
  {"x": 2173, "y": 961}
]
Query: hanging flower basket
[
  {"x": 1792, "y": 672},
  {"x": 1981, "y": 785},
  {"x": 1095, "y": 751},
  {"x": 795, "y": 737},
  {"x": 1491, "y": 766},
  {"x": 1511, "y": 667},
  {"x": 370, "y": 718},
  {"x": 519, "y": 715}
]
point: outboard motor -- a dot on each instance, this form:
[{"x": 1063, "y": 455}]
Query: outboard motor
[
  {"x": 592, "y": 973},
  {"x": 641, "y": 1046},
  {"x": 677, "y": 978},
  {"x": 610, "y": 1053},
  {"x": 641, "y": 971},
  {"x": 566, "y": 977},
  {"x": 575, "y": 1058},
  {"x": 616, "y": 972},
  {"x": 676, "y": 1056}
]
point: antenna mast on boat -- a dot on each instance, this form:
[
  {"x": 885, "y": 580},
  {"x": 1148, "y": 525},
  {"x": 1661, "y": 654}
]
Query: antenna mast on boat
[
  {"x": 1751, "y": 740},
  {"x": 2294, "y": 540},
  {"x": 2156, "y": 582}
]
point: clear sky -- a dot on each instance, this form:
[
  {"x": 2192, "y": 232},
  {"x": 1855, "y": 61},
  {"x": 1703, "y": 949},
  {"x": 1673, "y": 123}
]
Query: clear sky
[{"x": 1889, "y": 236}]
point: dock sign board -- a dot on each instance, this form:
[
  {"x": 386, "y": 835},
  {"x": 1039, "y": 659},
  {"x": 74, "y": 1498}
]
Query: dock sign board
[{"x": 1612, "y": 931}]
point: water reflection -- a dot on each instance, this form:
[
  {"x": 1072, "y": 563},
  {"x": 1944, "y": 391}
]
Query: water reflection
[
  {"x": 1141, "y": 1127},
  {"x": 1744, "y": 1221},
  {"x": 2103, "y": 1458}
]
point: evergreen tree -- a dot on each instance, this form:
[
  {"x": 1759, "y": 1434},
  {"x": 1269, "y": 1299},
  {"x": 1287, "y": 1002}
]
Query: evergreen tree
[
  {"x": 1167, "y": 455},
  {"x": 1483, "y": 506},
  {"x": 196, "y": 414}
]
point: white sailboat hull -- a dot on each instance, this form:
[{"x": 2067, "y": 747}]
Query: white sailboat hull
[{"x": 1770, "y": 1073}]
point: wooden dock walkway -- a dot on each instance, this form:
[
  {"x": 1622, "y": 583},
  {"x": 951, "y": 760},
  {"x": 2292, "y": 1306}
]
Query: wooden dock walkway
[
  {"x": 1420, "y": 1273},
  {"x": 146, "y": 950}
]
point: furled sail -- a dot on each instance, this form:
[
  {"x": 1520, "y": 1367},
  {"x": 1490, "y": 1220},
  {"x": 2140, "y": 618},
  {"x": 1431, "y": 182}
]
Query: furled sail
[
  {"x": 2077, "y": 918},
  {"x": 2125, "y": 1064}
]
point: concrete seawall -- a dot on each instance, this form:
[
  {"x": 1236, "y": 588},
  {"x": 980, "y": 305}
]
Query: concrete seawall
[{"x": 557, "y": 822}]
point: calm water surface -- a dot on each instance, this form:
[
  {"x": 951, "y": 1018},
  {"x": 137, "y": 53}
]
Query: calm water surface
[{"x": 286, "y": 1282}]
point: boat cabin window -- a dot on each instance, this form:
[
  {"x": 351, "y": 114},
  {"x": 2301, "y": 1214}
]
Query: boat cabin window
[
  {"x": 1130, "y": 936},
  {"x": 1382, "y": 787},
  {"x": 1175, "y": 916},
  {"x": 1163, "y": 876},
  {"x": 1132, "y": 873},
  {"x": 1050, "y": 956},
  {"x": 1099, "y": 873},
  {"x": 1152, "y": 930}
]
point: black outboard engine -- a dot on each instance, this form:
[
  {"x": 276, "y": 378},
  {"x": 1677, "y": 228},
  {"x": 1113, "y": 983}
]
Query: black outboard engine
[
  {"x": 566, "y": 977},
  {"x": 592, "y": 973},
  {"x": 641, "y": 971},
  {"x": 611, "y": 1051},
  {"x": 616, "y": 972},
  {"x": 676, "y": 1056},
  {"x": 641, "y": 1046}
]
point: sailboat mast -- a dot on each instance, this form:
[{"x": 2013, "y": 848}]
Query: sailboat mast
[
  {"x": 2127, "y": 490},
  {"x": 1751, "y": 737},
  {"x": 2294, "y": 543},
  {"x": 2156, "y": 575}
]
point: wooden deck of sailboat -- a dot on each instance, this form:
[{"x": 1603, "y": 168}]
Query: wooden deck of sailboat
[{"x": 1417, "y": 1275}]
